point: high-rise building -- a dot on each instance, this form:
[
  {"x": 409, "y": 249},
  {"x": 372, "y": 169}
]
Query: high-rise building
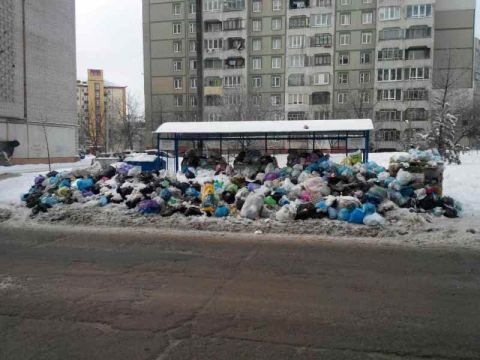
[
  {"x": 37, "y": 79},
  {"x": 308, "y": 59},
  {"x": 101, "y": 105}
]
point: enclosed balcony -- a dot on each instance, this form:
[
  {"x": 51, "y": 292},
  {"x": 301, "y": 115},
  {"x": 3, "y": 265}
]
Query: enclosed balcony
[
  {"x": 320, "y": 98},
  {"x": 233, "y": 5},
  {"x": 233, "y": 24},
  {"x": 298, "y": 22},
  {"x": 212, "y": 63},
  {"x": 234, "y": 63},
  {"x": 213, "y": 100},
  {"x": 299, "y": 4},
  {"x": 235, "y": 43},
  {"x": 213, "y": 26}
]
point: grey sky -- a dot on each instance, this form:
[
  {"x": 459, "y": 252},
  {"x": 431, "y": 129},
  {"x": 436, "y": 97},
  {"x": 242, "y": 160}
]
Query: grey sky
[{"x": 109, "y": 37}]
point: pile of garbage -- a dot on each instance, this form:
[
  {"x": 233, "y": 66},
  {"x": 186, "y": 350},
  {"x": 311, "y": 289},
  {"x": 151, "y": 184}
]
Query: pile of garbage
[{"x": 311, "y": 186}]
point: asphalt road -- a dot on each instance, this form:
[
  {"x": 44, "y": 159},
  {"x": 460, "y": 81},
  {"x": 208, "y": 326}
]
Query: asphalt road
[{"x": 75, "y": 294}]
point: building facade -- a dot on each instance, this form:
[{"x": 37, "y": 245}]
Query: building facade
[
  {"x": 37, "y": 79},
  {"x": 308, "y": 59},
  {"x": 101, "y": 106}
]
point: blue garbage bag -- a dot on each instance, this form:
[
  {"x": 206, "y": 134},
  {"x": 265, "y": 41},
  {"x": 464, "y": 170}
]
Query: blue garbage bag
[
  {"x": 369, "y": 208},
  {"x": 85, "y": 184},
  {"x": 222, "y": 211},
  {"x": 344, "y": 214},
  {"x": 332, "y": 213},
  {"x": 356, "y": 217}
]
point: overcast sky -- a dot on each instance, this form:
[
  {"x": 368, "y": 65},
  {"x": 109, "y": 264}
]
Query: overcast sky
[{"x": 109, "y": 37}]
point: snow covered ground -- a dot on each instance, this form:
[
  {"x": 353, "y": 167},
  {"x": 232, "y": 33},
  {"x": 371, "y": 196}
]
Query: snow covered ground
[{"x": 461, "y": 181}]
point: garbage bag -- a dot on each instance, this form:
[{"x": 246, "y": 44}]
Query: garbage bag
[
  {"x": 332, "y": 213},
  {"x": 252, "y": 206},
  {"x": 306, "y": 211},
  {"x": 374, "y": 219},
  {"x": 356, "y": 217},
  {"x": 369, "y": 208},
  {"x": 165, "y": 194},
  {"x": 404, "y": 177},
  {"x": 228, "y": 197},
  {"x": 344, "y": 214},
  {"x": 222, "y": 211},
  {"x": 269, "y": 200},
  {"x": 85, "y": 184}
]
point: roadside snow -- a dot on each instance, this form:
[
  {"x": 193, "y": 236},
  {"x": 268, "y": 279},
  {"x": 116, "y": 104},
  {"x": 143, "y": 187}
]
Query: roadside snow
[{"x": 37, "y": 168}]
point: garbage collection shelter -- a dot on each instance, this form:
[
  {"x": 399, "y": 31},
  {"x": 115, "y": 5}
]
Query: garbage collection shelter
[{"x": 354, "y": 133}]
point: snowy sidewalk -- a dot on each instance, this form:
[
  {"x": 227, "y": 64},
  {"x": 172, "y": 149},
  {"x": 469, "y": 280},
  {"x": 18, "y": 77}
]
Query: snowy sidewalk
[{"x": 37, "y": 168}]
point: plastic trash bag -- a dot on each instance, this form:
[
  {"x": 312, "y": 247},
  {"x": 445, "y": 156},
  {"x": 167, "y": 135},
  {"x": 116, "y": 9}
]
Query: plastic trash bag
[
  {"x": 286, "y": 213},
  {"x": 252, "y": 206},
  {"x": 356, "y": 217},
  {"x": 374, "y": 219}
]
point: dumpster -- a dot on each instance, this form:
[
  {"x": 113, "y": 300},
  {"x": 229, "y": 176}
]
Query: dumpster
[{"x": 146, "y": 162}]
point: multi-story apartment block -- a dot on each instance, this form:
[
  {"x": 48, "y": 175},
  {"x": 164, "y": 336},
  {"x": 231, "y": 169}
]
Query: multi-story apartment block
[
  {"x": 101, "y": 105},
  {"x": 311, "y": 59}
]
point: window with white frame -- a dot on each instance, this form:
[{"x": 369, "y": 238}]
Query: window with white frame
[
  {"x": 256, "y": 6},
  {"x": 321, "y": 78},
  {"x": 296, "y": 80},
  {"x": 192, "y": 27},
  {"x": 177, "y": 46},
  {"x": 256, "y": 44},
  {"x": 296, "y": 99},
  {"x": 211, "y": 5},
  {"x": 275, "y": 99},
  {"x": 390, "y": 54},
  {"x": 321, "y": 20},
  {"x": 367, "y": 37},
  {"x": 256, "y": 63},
  {"x": 193, "y": 64},
  {"x": 231, "y": 81},
  {"x": 342, "y": 78},
  {"x": 177, "y": 65},
  {"x": 257, "y": 82},
  {"x": 345, "y": 2},
  {"x": 389, "y": 95},
  {"x": 192, "y": 45},
  {"x": 365, "y": 57},
  {"x": 193, "y": 101},
  {"x": 367, "y": 17},
  {"x": 276, "y": 24},
  {"x": 388, "y": 13},
  {"x": 342, "y": 97},
  {"x": 296, "y": 41},
  {"x": 344, "y": 39},
  {"x": 275, "y": 81},
  {"x": 297, "y": 60},
  {"x": 276, "y": 62},
  {"x": 177, "y": 83},
  {"x": 177, "y": 28},
  {"x": 389, "y": 74},
  {"x": 365, "y": 77},
  {"x": 177, "y": 9},
  {"x": 364, "y": 97},
  {"x": 213, "y": 44},
  {"x": 256, "y": 25},
  {"x": 345, "y": 19},
  {"x": 193, "y": 83},
  {"x": 192, "y": 7},
  {"x": 417, "y": 73},
  {"x": 419, "y": 11},
  {"x": 276, "y": 5},
  {"x": 276, "y": 43},
  {"x": 178, "y": 100},
  {"x": 343, "y": 58}
]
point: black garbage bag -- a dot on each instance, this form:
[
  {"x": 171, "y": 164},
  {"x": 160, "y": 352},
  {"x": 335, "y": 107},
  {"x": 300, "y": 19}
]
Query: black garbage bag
[
  {"x": 124, "y": 192},
  {"x": 239, "y": 203},
  {"x": 52, "y": 174},
  {"x": 189, "y": 175},
  {"x": 145, "y": 177},
  {"x": 306, "y": 211},
  {"x": 109, "y": 172},
  {"x": 147, "y": 190},
  {"x": 131, "y": 204},
  {"x": 228, "y": 197},
  {"x": 193, "y": 211}
]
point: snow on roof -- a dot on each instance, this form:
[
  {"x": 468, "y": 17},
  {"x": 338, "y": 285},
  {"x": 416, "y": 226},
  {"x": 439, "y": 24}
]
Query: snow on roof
[{"x": 244, "y": 127}]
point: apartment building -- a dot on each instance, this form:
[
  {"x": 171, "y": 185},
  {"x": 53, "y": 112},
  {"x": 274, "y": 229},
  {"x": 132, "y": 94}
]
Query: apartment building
[
  {"x": 37, "y": 79},
  {"x": 309, "y": 59},
  {"x": 101, "y": 105}
]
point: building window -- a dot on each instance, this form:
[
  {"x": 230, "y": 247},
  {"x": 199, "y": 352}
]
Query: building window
[
  {"x": 321, "y": 115},
  {"x": 177, "y": 28},
  {"x": 367, "y": 37},
  {"x": 296, "y": 41},
  {"x": 192, "y": 45},
  {"x": 322, "y": 59},
  {"x": 417, "y": 53},
  {"x": 342, "y": 78},
  {"x": 388, "y": 13},
  {"x": 419, "y": 11},
  {"x": 177, "y": 46},
  {"x": 416, "y": 114},
  {"x": 256, "y": 6},
  {"x": 367, "y": 17},
  {"x": 276, "y": 24},
  {"x": 320, "y": 40},
  {"x": 177, "y": 65},
  {"x": 257, "y": 82},
  {"x": 345, "y": 19},
  {"x": 193, "y": 83},
  {"x": 177, "y": 9},
  {"x": 321, "y": 79},
  {"x": 365, "y": 57},
  {"x": 390, "y": 54},
  {"x": 193, "y": 101},
  {"x": 178, "y": 100},
  {"x": 256, "y": 63},
  {"x": 418, "y": 32},
  {"x": 296, "y": 80},
  {"x": 276, "y": 43},
  {"x": 297, "y": 22},
  {"x": 390, "y": 34},
  {"x": 323, "y": 3},
  {"x": 213, "y": 44},
  {"x": 276, "y": 62},
  {"x": 211, "y": 5},
  {"x": 296, "y": 115},
  {"x": 296, "y": 99},
  {"x": 275, "y": 81},
  {"x": 344, "y": 59},
  {"x": 256, "y": 25},
  {"x": 321, "y": 20},
  {"x": 365, "y": 77},
  {"x": 297, "y": 60},
  {"x": 193, "y": 64},
  {"x": 344, "y": 39},
  {"x": 232, "y": 81},
  {"x": 276, "y": 5},
  {"x": 193, "y": 7},
  {"x": 256, "y": 44},
  {"x": 275, "y": 100},
  {"x": 387, "y": 135},
  {"x": 388, "y": 115},
  {"x": 321, "y": 98},
  {"x": 417, "y": 73},
  {"x": 192, "y": 28},
  {"x": 342, "y": 97},
  {"x": 177, "y": 83},
  {"x": 389, "y": 95},
  {"x": 416, "y": 94},
  {"x": 389, "y": 74},
  {"x": 233, "y": 5}
]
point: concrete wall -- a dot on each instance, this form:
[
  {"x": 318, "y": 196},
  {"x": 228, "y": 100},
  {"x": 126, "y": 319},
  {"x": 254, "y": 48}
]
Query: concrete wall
[{"x": 47, "y": 76}]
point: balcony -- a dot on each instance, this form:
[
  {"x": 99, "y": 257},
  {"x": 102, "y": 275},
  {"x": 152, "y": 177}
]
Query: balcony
[
  {"x": 234, "y": 63},
  {"x": 213, "y": 26},
  {"x": 320, "y": 98},
  {"x": 233, "y": 24},
  {"x": 235, "y": 43},
  {"x": 298, "y": 22},
  {"x": 299, "y": 4},
  {"x": 213, "y": 100},
  {"x": 234, "y": 5}
]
